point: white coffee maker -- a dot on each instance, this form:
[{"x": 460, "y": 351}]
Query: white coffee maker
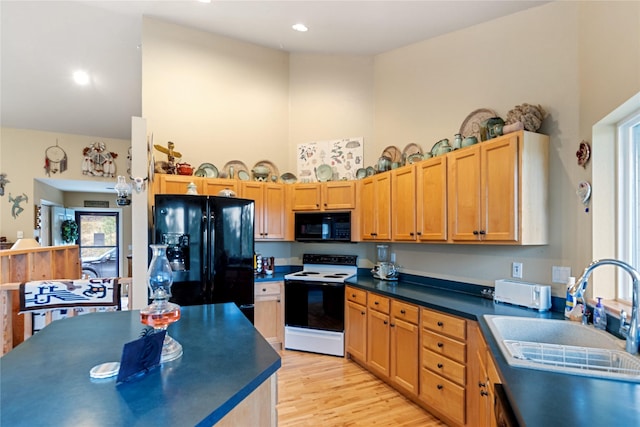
[{"x": 385, "y": 268}]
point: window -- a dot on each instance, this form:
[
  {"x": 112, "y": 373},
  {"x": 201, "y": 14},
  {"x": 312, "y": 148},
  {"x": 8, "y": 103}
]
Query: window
[{"x": 628, "y": 221}]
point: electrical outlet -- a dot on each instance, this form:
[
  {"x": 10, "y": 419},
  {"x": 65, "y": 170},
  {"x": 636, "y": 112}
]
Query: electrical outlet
[{"x": 516, "y": 270}]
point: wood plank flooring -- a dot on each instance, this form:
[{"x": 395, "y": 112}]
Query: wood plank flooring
[{"x": 319, "y": 390}]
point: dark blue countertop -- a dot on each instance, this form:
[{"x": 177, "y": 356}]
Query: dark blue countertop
[
  {"x": 45, "y": 380},
  {"x": 538, "y": 398}
]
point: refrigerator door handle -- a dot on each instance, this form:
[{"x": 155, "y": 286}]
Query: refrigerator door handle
[{"x": 244, "y": 306}]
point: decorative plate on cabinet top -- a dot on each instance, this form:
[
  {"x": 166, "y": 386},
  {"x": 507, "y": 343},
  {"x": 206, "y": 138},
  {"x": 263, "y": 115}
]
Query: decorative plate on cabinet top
[
  {"x": 410, "y": 150},
  {"x": 472, "y": 125},
  {"x": 233, "y": 168},
  {"x": 393, "y": 153},
  {"x": 207, "y": 170},
  {"x": 273, "y": 174},
  {"x": 324, "y": 173}
]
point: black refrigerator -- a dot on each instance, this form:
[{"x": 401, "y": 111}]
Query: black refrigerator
[{"x": 210, "y": 247}]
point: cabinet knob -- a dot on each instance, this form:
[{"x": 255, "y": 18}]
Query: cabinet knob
[
  {"x": 392, "y": 325},
  {"x": 264, "y": 289},
  {"x": 440, "y": 324},
  {"x": 440, "y": 345},
  {"x": 440, "y": 386},
  {"x": 483, "y": 232},
  {"x": 481, "y": 384},
  {"x": 440, "y": 365},
  {"x": 363, "y": 313},
  {"x": 403, "y": 312},
  {"x": 475, "y": 232},
  {"x": 419, "y": 233},
  {"x": 386, "y": 323},
  {"x": 484, "y": 393},
  {"x": 411, "y": 233},
  {"x": 376, "y": 302}
]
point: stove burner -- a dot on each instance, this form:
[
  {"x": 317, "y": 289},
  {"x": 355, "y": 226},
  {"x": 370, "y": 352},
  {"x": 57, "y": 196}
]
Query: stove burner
[
  {"x": 306, "y": 273},
  {"x": 334, "y": 276}
]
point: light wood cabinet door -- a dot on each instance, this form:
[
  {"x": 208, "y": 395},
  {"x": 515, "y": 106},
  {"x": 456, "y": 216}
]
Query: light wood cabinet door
[
  {"x": 270, "y": 215},
  {"x": 306, "y": 197},
  {"x": 431, "y": 191},
  {"x": 375, "y": 211},
  {"x": 273, "y": 212},
  {"x": 378, "y": 342},
  {"x": 338, "y": 195},
  {"x": 213, "y": 186},
  {"x": 464, "y": 194},
  {"x": 269, "y": 313},
  {"x": 403, "y": 200},
  {"x": 356, "y": 330},
  {"x": 177, "y": 184},
  {"x": 498, "y": 189},
  {"x": 404, "y": 354}
]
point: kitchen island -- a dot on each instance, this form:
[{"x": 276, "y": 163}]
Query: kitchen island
[
  {"x": 227, "y": 374},
  {"x": 538, "y": 398}
]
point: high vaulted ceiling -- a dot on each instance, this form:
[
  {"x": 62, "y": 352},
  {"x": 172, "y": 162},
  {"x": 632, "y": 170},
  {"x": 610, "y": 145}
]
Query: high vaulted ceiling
[{"x": 42, "y": 42}]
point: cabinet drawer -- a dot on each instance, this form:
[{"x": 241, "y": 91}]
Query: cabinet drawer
[
  {"x": 445, "y": 346},
  {"x": 356, "y": 295},
  {"x": 378, "y": 303},
  {"x": 267, "y": 288},
  {"x": 405, "y": 311},
  {"x": 444, "y": 324},
  {"x": 444, "y": 366},
  {"x": 443, "y": 395}
]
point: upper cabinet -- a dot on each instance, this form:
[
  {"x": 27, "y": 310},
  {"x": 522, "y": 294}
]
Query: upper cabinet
[
  {"x": 403, "y": 199},
  {"x": 431, "y": 210},
  {"x": 333, "y": 195},
  {"x": 270, "y": 214},
  {"x": 176, "y": 184},
  {"x": 498, "y": 191},
  {"x": 374, "y": 203},
  {"x": 212, "y": 187},
  {"x": 419, "y": 198}
]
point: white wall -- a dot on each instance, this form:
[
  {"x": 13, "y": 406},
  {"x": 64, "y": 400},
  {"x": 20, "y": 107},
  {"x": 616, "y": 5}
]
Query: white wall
[{"x": 216, "y": 98}]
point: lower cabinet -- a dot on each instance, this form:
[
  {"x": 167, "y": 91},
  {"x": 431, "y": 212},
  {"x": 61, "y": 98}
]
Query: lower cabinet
[
  {"x": 269, "y": 312},
  {"x": 443, "y": 365},
  {"x": 437, "y": 360},
  {"x": 356, "y": 323},
  {"x": 383, "y": 334}
]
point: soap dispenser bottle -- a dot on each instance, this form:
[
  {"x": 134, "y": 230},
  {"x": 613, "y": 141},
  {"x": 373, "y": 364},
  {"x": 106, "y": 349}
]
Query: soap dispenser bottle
[
  {"x": 599, "y": 316},
  {"x": 570, "y": 300}
]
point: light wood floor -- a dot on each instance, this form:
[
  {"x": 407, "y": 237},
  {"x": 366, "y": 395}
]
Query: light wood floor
[{"x": 318, "y": 390}]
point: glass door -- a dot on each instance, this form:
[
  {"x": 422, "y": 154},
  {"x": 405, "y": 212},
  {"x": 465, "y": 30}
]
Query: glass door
[{"x": 98, "y": 241}]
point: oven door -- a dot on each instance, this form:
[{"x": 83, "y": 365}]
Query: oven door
[{"x": 314, "y": 305}]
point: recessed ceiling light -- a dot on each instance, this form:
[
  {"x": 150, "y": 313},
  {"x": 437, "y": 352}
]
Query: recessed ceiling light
[
  {"x": 300, "y": 27},
  {"x": 81, "y": 77}
]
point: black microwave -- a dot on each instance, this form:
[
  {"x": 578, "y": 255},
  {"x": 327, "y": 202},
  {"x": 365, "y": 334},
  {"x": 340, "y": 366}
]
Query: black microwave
[{"x": 323, "y": 226}]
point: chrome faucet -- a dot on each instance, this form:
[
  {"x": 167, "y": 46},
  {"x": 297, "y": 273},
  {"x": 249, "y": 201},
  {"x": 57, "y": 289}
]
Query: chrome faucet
[{"x": 577, "y": 290}]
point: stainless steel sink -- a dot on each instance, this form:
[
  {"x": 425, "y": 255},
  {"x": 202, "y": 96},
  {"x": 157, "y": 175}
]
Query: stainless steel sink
[{"x": 563, "y": 346}]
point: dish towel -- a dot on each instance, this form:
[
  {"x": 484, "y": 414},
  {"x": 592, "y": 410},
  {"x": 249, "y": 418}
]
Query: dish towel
[{"x": 55, "y": 294}]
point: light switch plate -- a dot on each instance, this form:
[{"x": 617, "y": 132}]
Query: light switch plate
[{"x": 560, "y": 274}]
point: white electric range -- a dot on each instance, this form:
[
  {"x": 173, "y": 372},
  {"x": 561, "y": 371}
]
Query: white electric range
[{"x": 314, "y": 303}]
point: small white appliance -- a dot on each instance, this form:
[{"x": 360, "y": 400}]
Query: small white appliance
[
  {"x": 530, "y": 295},
  {"x": 314, "y": 303}
]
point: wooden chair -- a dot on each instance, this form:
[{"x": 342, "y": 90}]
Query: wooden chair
[{"x": 42, "y": 301}]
